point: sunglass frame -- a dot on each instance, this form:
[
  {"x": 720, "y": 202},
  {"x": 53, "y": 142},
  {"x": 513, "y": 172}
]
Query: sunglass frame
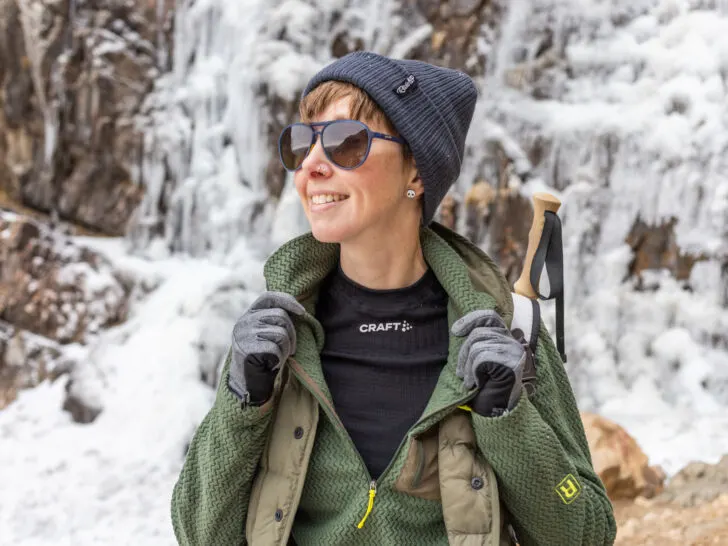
[{"x": 371, "y": 135}]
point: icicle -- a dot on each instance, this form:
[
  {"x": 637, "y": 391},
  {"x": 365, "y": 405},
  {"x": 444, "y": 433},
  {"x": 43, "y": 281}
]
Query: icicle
[{"x": 162, "y": 48}]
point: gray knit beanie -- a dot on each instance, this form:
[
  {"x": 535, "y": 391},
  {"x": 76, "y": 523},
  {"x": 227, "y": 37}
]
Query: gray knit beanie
[{"x": 431, "y": 108}]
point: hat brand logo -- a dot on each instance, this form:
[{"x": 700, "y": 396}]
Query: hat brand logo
[{"x": 409, "y": 82}]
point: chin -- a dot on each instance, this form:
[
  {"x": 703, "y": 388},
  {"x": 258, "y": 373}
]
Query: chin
[
  {"x": 334, "y": 232},
  {"x": 329, "y": 234}
]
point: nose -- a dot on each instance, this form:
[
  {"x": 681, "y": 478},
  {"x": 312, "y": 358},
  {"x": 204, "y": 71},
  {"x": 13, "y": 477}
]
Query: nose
[{"x": 316, "y": 164}]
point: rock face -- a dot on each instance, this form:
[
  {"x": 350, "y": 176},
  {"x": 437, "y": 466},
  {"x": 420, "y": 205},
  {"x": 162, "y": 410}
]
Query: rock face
[
  {"x": 499, "y": 220},
  {"x": 655, "y": 247},
  {"x": 73, "y": 76},
  {"x": 53, "y": 293},
  {"x": 618, "y": 460},
  {"x": 455, "y": 28},
  {"x": 693, "y": 510}
]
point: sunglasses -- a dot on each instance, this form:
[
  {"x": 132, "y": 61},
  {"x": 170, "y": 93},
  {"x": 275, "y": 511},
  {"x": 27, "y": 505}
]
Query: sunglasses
[{"x": 346, "y": 142}]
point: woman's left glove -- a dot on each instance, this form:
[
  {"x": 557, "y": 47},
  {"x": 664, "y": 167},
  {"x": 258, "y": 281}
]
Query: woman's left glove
[
  {"x": 263, "y": 339},
  {"x": 490, "y": 359}
]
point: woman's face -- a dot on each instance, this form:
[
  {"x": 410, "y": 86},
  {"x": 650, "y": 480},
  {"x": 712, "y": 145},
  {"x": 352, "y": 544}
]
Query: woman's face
[{"x": 370, "y": 199}]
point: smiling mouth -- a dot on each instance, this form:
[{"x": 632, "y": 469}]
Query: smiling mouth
[{"x": 327, "y": 198}]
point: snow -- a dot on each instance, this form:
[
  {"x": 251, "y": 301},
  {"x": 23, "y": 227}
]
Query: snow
[
  {"x": 640, "y": 126},
  {"x": 110, "y": 482}
]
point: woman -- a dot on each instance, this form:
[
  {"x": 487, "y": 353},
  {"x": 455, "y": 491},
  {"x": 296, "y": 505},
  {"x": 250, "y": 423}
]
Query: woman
[{"x": 373, "y": 395}]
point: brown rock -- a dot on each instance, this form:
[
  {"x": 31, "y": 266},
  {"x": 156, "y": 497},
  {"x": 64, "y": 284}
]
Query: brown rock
[
  {"x": 655, "y": 248},
  {"x": 72, "y": 82},
  {"x": 698, "y": 482},
  {"x": 447, "y": 213},
  {"x": 660, "y": 524},
  {"x": 465, "y": 7},
  {"x": 505, "y": 216},
  {"x": 508, "y": 228},
  {"x": 477, "y": 203},
  {"x": 456, "y": 29},
  {"x": 619, "y": 461}
]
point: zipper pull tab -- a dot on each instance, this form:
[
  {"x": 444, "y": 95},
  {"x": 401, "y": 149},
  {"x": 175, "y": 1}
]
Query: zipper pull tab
[{"x": 372, "y": 494}]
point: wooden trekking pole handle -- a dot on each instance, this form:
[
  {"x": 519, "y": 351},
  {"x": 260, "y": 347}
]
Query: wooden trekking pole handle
[{"x": 542, "y": 202}]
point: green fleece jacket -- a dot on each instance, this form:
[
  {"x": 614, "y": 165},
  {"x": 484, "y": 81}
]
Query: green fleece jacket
[{"x": 538, "y": 451}]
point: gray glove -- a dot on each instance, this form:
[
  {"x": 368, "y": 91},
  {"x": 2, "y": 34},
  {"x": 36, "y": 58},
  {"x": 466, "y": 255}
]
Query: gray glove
[
  {"x": 490, "y": 359},
  {"x": 263, "y": 339}
]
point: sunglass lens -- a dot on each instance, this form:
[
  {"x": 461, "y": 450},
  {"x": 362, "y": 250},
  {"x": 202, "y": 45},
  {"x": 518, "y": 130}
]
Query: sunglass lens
[
  {"x": 346, "y": 143},
  {"x": 295, "y": 143}
]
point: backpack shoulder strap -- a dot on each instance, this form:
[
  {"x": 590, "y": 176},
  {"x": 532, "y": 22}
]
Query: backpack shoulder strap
[{"x": 527, "y": 319}]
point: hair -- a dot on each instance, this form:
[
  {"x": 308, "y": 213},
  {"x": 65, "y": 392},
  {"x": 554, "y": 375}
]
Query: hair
[{"x": 363, "y": 107}]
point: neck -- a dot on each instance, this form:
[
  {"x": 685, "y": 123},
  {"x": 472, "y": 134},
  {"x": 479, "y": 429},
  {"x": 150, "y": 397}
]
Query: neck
[{"x": 384, "y": 261}]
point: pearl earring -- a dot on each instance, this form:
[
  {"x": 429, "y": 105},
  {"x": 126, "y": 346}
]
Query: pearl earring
[{"x": 411, "y": 194}]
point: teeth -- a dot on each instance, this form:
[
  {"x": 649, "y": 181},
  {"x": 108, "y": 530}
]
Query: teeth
[{"x": 328, "y": 198}]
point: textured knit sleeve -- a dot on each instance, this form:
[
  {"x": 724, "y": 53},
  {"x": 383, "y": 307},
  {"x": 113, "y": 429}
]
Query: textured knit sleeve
[
  {"x": 210, "y": 498},
  {"x": 541, "y": 459}
]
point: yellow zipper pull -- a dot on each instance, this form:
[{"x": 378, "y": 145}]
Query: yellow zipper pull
[{"x": 372, "y": 494}]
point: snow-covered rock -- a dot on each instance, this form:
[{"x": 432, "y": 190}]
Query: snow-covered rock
[{"x": 54, "y": 295}]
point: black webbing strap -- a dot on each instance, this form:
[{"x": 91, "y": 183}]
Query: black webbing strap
[
  {"x": 550, "y": 254},
  {"x": 535, "y": 325}
]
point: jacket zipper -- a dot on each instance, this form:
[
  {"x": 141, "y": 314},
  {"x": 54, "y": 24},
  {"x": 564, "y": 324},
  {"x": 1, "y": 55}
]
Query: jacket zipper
[
  {"x": 331, "y": 412},
  {"x": 372, "y": 494},
  {"x": 314, "y": 389}
]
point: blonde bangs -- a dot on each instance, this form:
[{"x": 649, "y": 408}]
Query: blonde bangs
[{"x": 363, "y": 108}]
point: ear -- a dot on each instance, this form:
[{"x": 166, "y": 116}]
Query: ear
[
  {"x": 414, "y": 182},
  {"x": 417, "y": 185}
]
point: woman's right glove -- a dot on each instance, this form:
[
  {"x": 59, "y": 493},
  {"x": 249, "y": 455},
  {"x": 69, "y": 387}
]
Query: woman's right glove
[
  {"x": 492, "y": 360},
  {"x": 263, "y": 338}
]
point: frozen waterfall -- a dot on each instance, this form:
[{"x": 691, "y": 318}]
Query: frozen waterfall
[{"x": 627, "y": 105}]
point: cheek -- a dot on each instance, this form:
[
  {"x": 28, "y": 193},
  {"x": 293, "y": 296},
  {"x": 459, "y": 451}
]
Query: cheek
[
  {"x": 382, "y": 184},
  {"x": 300, "y": 184}
]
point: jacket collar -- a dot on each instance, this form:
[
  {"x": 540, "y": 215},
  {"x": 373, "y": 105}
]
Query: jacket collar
[
  {"x": 469, "y": 276},
  {"x": 471, "y": 279}
]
